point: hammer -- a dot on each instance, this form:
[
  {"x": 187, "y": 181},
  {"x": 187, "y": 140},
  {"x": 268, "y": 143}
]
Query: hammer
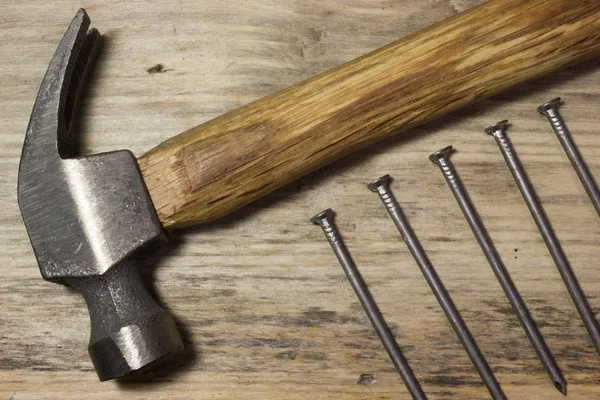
[{"x": 91, "y": 219}]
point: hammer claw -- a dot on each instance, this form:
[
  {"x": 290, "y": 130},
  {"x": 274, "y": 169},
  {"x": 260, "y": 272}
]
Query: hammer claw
[
  {"x": 76, "y": 84},
  {"x": 54, "y": 107}
]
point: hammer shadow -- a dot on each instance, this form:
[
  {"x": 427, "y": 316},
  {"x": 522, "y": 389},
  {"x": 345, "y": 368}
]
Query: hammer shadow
[{"x": 311, "y": 180}]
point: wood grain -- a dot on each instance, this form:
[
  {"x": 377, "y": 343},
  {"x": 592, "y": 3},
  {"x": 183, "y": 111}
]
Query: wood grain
[
  {"x": 215, "y": 168},
  {"x": 264, "y": 306}
]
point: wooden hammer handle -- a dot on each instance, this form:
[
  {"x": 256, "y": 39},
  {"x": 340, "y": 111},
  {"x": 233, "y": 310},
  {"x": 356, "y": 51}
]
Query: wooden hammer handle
[{"x": 219, "y": 166}]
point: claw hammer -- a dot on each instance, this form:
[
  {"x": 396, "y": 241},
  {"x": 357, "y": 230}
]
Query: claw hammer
[{"x": 91, "y": 218}]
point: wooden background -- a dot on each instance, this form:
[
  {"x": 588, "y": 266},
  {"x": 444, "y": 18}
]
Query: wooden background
[{"x": 264, "y": 308}]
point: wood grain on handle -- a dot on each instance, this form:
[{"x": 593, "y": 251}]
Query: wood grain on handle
[{"x": 217, "y": 167}]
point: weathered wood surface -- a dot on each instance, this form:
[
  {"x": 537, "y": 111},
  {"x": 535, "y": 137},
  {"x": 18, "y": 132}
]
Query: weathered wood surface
[{"x": 264, "y": 307}]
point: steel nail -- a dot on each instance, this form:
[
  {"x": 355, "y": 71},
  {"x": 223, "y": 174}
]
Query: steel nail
[
  {"x": 550, "y": 110},
  {"x": 325, "y": 220},
  {"x": 381, "y": 187},
  {"x": 442, "y": 159},
  {"x": 545, "y": 228}
]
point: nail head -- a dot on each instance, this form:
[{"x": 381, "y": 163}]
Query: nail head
[
  {"x": 551, "y": 105},
  {"x": 382, "y": 181},
  {"x": 323, "y": 216},
  {"x": 499, "y": 127},
  {"x": 443, "y": 153}
]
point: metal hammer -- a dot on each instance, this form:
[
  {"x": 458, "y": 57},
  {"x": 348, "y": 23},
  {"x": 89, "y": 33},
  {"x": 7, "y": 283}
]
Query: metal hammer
[{"x": 91, "y": 218}]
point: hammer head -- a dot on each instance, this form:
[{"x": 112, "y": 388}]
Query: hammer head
[
  {"x": 83, "y": 215},
  {"x": 88, "y": 217}
]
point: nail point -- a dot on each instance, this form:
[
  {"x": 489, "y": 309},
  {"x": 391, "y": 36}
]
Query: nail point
[
  {"x": 561, "y": 387},
  {"x": 323, "y": 215},
  {"x": 443, "y": 153},
  {"x": 382, "y": 181}
]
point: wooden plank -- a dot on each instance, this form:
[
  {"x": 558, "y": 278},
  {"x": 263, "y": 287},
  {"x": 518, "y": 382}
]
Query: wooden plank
[{"x": 264, "y": 307}]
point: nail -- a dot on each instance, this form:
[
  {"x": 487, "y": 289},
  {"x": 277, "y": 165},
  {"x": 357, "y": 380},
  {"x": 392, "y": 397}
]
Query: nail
[
  {"x": 381, "y": 187},
  {"x": 545, "y": 228},
  {"x": 442, "y": 159},
  {"x": 550, "y": 110},
  {"x": 325, "y": 220}
]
